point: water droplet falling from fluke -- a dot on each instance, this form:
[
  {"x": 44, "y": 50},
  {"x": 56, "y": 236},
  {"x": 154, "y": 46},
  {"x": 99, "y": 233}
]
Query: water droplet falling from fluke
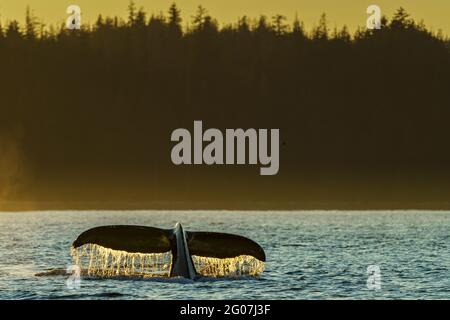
[{"x": 138, "y": 251}]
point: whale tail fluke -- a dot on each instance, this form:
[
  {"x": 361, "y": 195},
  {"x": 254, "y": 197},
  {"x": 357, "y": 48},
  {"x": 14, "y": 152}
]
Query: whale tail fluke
[
  {"x": 128, "y": 238},
  {"x": 147, "y": 251},
  {"x": 222, "y": 245}
]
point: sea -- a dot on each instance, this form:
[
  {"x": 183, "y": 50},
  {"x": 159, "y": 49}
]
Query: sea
[{"x": 310, "y": 255}]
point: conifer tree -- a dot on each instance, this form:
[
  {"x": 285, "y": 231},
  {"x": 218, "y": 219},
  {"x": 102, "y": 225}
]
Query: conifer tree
[
  {"x": 131, "y": 13},
  {"x": 30, "y": 25},
  {"x": 279, "y": 25},
  {"x": 321, "y": 31},
  {"x": 199, "y": 18},
  {"x": 175, "y": 18},
  {"x": 13, "y": 30},
  {"x": 298, "y": 28}
]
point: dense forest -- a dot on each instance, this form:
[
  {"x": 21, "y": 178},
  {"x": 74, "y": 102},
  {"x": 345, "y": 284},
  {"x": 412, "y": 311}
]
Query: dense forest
[{"x": 86, "y": 115}]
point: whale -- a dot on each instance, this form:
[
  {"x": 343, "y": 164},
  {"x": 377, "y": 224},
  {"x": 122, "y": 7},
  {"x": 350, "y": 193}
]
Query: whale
[{"x": 182, "y": 244}]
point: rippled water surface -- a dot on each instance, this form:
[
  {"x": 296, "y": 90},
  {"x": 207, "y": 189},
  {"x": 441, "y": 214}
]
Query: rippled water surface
[{"x": 311, "y": 254}]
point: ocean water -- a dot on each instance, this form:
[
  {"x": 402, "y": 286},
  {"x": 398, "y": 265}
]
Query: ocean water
[{"x": 310, "y": 255}]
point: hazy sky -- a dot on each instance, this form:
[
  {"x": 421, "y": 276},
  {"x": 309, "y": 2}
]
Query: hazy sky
[{"x": 435, "y": 13}]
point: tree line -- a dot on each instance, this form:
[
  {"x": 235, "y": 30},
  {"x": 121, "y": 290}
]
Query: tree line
[{"x": 95, "y": 107}]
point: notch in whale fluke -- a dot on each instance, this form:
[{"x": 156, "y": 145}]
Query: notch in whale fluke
[{"x": 192, "y": 253}]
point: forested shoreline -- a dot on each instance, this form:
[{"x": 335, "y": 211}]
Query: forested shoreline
[{"x": 86, "y": 115}]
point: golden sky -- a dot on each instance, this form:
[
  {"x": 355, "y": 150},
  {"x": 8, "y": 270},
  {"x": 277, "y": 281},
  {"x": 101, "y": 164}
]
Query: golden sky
[{"x": 435, "y": 13}]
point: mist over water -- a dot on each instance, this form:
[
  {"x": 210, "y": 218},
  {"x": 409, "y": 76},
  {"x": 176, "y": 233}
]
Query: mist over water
[{"x": 310, "y": 254}]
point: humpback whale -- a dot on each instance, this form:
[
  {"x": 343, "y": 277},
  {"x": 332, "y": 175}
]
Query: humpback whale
[{"x": 183, "y": 245}]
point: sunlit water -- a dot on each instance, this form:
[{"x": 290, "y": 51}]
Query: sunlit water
[{"x": 311, "y": 255}]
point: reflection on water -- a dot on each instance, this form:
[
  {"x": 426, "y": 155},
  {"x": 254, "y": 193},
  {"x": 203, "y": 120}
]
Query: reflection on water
[{"x": 310, "y": 254}]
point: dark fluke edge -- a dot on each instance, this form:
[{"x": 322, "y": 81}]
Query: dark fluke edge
[
  {"x": 128, "y": 238},
  {"x": 182, "y": 244}
]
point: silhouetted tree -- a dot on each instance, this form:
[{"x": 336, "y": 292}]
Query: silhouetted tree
[
  {"x": 401, "y": 20},
  {"x": 198, "y": 20},
  {"x": 13, "y": 30},
  {"x": 343, "y": 34},
  {"x": 30, "y": 25},
  {"x": 175, "y": 19},
  {"x": 321, "y": 31},
  {"x": 279, "y": 25},
  {"x": 100, "y": 22},
  {"x": 298, "y": 28},
  {"x": 132, "y": 13},
  {"x": 141, "y": 19},
  {"x": 243, "y": 25},
  {"x": 262, "y": 25}
]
